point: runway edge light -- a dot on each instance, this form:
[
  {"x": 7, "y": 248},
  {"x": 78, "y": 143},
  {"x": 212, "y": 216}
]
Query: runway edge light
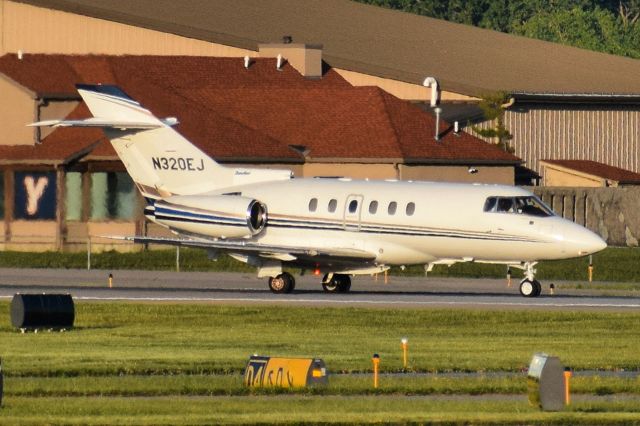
[
  {"x": 405, "y": 347},
  {"x": 376, "y": 369}
]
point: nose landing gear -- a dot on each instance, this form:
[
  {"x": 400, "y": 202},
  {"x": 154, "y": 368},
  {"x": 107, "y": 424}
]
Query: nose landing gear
[{"x": 529, "y": 286}]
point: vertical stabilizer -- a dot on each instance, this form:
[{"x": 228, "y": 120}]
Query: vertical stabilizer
[{"x": 160, "y": 160}]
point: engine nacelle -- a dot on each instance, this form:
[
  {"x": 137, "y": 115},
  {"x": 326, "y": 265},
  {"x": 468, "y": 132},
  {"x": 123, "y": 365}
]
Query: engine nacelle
[{"x": 219, "y": 216}]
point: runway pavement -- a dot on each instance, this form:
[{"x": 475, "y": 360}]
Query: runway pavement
[{"x": 236, "y": 288}]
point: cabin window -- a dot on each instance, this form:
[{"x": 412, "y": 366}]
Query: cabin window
[
  {"x": 411, "y": 209},
  {"x": 393, "y": 206},
  {"x": 333, "y": 204},
  {"x": 530, "y": 206},
  {"x": 373, "y": 207},
  {"x": 353, "y": 206},
  {"x": 490, "y": 204},
  {"x": 313, "y": 204}
]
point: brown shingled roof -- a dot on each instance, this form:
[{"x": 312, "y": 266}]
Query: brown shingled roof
[
  {"x": 600, "y": 170},
  {"x": 256, "y": 114},
  {"x": 381, "y": 42}
]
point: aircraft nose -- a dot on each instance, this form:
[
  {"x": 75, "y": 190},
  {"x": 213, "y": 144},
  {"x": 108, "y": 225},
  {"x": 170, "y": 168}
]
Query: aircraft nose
[
  {"x": 582, "y": 241},
  {"x": 596, "y": 244},
  {"x": 587, "y": 242}
]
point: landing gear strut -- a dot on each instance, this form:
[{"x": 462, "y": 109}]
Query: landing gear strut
[
  {"x": 336, "y": 283},
  {"x": 529, "y": 286},
  {"x": 283, "y": 283}
]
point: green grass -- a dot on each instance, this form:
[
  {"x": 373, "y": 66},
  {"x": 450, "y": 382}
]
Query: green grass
[
  {"x": 296, "y": 409},
  {"x": 612, "y": 264},
  {"x": 149, "y": 363},
  {"x": 195, "y": 339},
  {"x": 339, "y": 384}
]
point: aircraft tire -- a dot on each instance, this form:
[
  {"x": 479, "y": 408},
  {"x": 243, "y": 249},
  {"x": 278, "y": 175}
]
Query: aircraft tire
[
  {"x": 528, "y": 288},
  {"x": 344, "y": 283},
  {"x": 283, "y": 283},
  {"x": 538, "y": 288},
  {"x": 331, "y": 286},
  {"x": 339, "y": 283}
]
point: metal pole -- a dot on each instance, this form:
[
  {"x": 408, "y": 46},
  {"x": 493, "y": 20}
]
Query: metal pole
[
  {"x": 88, "y": 253},
  {"x": 177, "y": 258}
]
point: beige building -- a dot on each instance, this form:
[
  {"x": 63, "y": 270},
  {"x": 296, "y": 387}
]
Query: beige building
[
  {"x": 62, "y": 188},
  {"x": 586, "y": 174},
  {"x": 568, "y": 103}
]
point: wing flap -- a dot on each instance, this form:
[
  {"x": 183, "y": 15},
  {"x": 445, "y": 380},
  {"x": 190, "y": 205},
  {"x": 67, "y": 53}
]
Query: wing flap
[{"x": 265, "y": 250}]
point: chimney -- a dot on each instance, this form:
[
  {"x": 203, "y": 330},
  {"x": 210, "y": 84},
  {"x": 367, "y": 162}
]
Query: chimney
[{"x": 305, "y": 58}]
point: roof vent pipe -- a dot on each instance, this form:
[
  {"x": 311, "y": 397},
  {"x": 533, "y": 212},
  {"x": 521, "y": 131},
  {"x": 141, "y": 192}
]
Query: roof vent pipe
[
  {"x": 456, "y": 128},
  {"x": 437, "y": 111},
  {"x": 247, "y": 62},
  {"x": 433, "y": 83},
  {"x": 20, "y": 54},
  {"x": 279, "y": 62}
]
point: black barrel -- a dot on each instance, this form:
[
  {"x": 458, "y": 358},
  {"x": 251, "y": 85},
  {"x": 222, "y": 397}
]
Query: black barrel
[{"x": 42, "y": 311}]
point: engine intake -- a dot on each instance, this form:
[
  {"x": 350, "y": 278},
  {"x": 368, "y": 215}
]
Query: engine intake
[{"x": 218, "y": 216}]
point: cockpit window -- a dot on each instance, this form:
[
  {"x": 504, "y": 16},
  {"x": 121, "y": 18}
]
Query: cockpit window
[{"x": 530, "y": 206}]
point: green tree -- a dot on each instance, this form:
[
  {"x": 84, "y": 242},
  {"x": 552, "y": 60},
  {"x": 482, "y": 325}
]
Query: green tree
[
  {"x": 493, "y": 106},
  {"x": 597, "y": 30},
  {"x": 610, "y": 26}
]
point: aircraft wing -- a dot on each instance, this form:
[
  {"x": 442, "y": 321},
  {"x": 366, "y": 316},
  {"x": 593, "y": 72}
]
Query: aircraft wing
[{"x": 262, "y": 250}]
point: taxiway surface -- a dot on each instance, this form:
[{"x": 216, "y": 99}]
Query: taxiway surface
[{"x": 237, "y": 288}]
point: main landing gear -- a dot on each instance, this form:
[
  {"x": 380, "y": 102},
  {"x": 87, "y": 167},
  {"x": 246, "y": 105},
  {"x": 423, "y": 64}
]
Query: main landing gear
[
  {"x": 331, "y": 283},
  {"x": 336, "y": 283},
  {"x": 283, "y": 283},
  {"x": 529, "y": 286}
]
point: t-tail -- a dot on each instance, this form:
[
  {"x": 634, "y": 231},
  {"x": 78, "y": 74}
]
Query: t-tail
[{"x": 160, "y": 160}]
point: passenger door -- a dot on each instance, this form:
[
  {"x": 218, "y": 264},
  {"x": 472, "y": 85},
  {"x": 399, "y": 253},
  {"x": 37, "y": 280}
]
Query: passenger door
[{"x": 352, "y": 212}]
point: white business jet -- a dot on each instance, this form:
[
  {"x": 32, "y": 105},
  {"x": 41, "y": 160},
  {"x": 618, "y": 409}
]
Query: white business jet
[{"x": 334, "y": 227}]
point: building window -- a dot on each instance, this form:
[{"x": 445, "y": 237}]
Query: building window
[
  {"x": 73, "y": 199},
  {"x": 113, "y": 196},
  {"x": 35, "y": 195},
  {"x": 313, "y": 204},
  {"x": 393, "y": 206},
  {"x": 411, "y": 209},
  {"x": 333, "y": 204},
  {"x": 353, "y": 206},
  {"x": 1, "y": 193},
  {"x": 373, "y": 207}
]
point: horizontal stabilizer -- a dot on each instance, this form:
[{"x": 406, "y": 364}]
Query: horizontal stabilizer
[{"x": 105, "y": 123}]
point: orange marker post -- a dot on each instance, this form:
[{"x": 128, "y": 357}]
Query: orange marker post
[
  {"x": 567, "y": 394},
  {"x": 376, "y": 364},
  {"x": 405, "y": 347}
]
